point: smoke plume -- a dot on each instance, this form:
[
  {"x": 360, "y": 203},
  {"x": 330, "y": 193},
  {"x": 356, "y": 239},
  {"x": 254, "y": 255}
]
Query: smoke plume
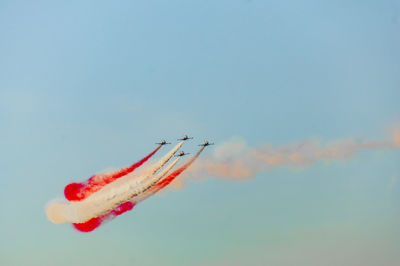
[{"x": 236, "y": 161}]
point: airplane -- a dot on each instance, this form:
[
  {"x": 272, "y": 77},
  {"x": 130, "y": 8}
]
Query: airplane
[
  {"x": 182, "y": 153},
  {"x": 206, "y": 143},
  {"x": 163, "y": 142},
  {"x": 185, "y": 138}
]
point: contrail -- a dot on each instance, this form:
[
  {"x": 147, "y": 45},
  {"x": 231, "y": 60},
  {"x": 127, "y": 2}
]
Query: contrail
[
  {"x": 108, "y": 197},
  {"x": 80, "y": 191},
  {"x": 126, "y": 203}
]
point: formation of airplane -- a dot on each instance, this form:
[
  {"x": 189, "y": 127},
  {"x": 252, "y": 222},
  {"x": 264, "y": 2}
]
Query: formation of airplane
[
  {"x": 182, "y": 153},
  {"x": 185, "y": 137}
]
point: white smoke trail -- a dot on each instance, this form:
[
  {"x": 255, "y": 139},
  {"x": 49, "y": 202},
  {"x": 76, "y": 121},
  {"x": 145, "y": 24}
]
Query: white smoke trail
[
  {"x": 60, "y": 211},
  {"x": 132, "y": 180},
  {"x": 85, "y": 210},
  {"x": 148, "y": 192}
]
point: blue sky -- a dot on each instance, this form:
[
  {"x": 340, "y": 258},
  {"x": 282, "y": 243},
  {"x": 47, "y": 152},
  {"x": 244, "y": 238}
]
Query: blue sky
[{"x": 87, "y": 85}]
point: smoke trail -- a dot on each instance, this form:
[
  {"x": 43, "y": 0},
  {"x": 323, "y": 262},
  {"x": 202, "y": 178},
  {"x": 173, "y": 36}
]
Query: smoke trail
[
  {"x": 236, "y": 161},
  {"x": 152, "y": 188},
  {"x": 90, "y": 209},
  {"x": 166, "y": 181},
  {"x": 80, "y": 191},
  {"x": 109, "y": 196},
  {"x": 233, "y": 160},
  {"x": 124, "y": 202},
  {"x": 95, "y": 222},
  {"x": 395, "y": 131}
]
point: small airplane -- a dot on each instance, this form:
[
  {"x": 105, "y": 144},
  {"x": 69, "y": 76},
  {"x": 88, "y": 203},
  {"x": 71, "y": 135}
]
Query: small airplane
[
  {"x": 182, "y": 153},
  {"x": 206, "y": 143},
  {"x": 163, "y": 142},
  {"x": 185, "y": 138}
]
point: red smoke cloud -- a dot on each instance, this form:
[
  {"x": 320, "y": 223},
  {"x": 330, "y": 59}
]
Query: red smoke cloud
[
  {"x": 80, "y": 191},
  {"x": 95, "y": 222}
]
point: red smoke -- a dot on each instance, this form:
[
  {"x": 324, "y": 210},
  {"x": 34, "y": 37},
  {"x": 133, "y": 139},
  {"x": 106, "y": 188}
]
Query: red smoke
[
  {"x": 95, "y": 222},
  {"x": 80, "y": 191}
]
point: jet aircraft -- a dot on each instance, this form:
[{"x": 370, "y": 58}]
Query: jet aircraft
[
  {"x": 163, "y": 142},
  {"x": 182, "y": 153},
  {"x": 185, "y": 138},
  {"x": 206, "y": 143}
]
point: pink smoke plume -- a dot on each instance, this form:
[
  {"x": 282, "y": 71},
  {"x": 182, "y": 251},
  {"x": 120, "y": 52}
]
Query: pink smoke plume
[{"x": 235, "y": 160}]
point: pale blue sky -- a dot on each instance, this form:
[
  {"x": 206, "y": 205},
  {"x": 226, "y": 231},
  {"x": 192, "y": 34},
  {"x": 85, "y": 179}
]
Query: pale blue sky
[{"x": 87, "y": 85}]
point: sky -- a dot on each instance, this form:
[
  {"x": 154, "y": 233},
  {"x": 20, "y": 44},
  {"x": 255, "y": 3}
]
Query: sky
[{"x": 91, "y": 85}]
